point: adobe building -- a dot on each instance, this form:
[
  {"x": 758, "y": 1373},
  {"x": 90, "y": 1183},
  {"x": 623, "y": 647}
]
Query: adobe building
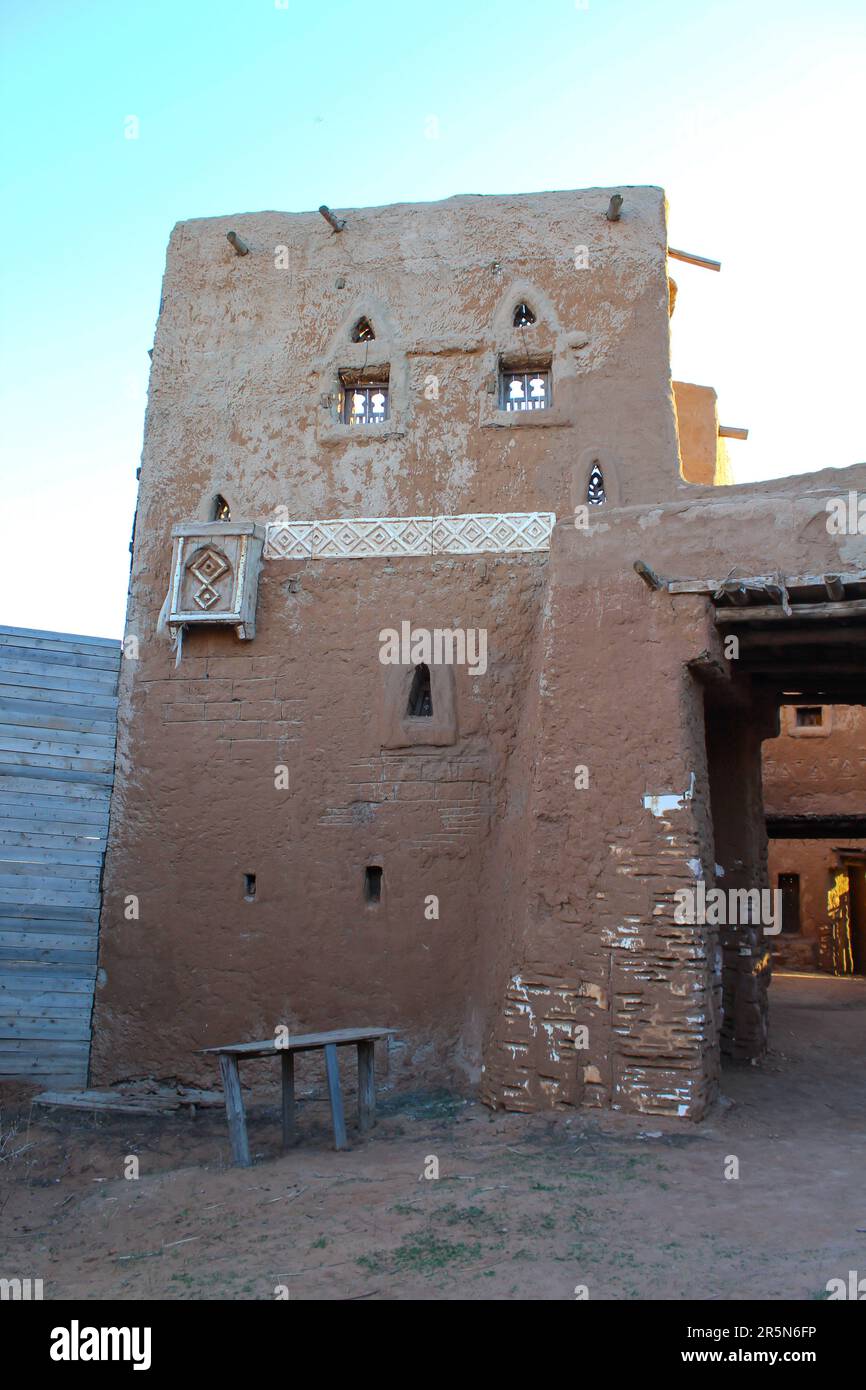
[
  {"x": 458, "y": 419},
  {"x": 815, "y": 798}
]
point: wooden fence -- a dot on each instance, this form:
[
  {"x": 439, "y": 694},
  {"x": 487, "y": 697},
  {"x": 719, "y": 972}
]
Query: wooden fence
[{"x": 58, "y": 717}]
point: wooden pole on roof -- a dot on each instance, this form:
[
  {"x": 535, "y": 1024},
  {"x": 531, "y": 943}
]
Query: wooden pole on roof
[
  {"x": 694, "y": 260},
  {"x": 338, "y": 223}
]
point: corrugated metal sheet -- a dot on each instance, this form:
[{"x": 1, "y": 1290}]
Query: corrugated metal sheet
[{"x": 58, "y": 720}]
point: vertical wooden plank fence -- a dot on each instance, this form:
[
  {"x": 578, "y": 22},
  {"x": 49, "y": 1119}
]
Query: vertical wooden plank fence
[{"x": 58, "y": 718}]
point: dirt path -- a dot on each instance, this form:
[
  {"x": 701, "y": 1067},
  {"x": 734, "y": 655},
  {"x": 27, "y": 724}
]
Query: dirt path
[{"x": 524, "y": 1207}]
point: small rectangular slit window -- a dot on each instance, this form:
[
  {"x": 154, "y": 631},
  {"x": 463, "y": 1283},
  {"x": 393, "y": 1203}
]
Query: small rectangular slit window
[
  {"x": 249, "y": 887},
  {"x": 809, "y": 716},
  {"x": 364, "y": 397},
  {"x": 373, "y": 883},
  {"x": 789, "y": 887},
  {"x": 524, "y": 390}
]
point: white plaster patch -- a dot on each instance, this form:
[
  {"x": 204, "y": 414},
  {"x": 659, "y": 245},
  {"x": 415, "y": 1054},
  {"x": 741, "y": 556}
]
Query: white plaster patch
[{"x": 669, "y": 801}]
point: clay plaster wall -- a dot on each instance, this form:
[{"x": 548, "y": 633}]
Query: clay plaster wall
[
  {"x": 703, "y": 454},
  {"x": 817, "y": 771}
]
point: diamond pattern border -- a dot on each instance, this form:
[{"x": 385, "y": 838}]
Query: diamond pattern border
[{"x": 481, "y": 533}]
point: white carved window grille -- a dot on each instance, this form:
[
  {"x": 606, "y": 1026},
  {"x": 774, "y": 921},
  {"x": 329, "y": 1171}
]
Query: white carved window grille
[
  {"x": 364, "y": 402},
  {"x": 525, "y": 390},
  {"x": 595, "y": 493}
]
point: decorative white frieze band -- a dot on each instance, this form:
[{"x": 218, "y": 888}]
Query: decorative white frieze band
[{"x": 480, "y": 533}]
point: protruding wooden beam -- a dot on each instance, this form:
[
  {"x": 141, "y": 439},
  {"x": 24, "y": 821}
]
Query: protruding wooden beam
[
  {"x": 736, "y": 592},
  {"x": 241, "y": 248},
  {"x": 694, "y": 260},
  {"x": 834, "y": 586},
  {"x": 778, "y": 593},
  {"x": 649, "y": 576},
  {"x": 338, "y": 223},
  {"x": 733, "y": 432},
  {"x": 614, "y": 208},
  {"x": 709, "y": 668}
]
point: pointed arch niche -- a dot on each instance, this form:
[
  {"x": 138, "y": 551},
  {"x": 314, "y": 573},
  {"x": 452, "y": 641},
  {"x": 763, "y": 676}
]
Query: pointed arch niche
[
  {"x": 527, "y": 347},
  {"x": 365, "y": 352},
  {"x": 415, "y": 714}
]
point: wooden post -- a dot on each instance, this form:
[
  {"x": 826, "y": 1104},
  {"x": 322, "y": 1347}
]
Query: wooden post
[
  {"x": 834, "y": 586},
  {"x": 366, "y": 1085},
  {"x": 332, "y": 1067},
  {"x": 288, "y": 1061},
  {"x": 240, "y": 247},
  {"x": 614, "y": 208},
  {"x": 338, "y": 223},
  {"x": 235, "y": 1109}
]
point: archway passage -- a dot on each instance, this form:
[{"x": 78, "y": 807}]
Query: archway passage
[{"x": 794, "y": 649}]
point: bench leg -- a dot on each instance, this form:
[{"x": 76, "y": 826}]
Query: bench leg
[
  {"x": 288, "y": 1060},
  {"x": 336, "y": 1095},
  {"x": 366, "y": 1086},
  {"x": 237, "y": 1120}
]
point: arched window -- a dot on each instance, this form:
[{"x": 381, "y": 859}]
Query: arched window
[
  {"x": 221, "y": 509},
  {"x": 523, "y": 316},
  {"x": 595, "y": 493},
  {"x": 420, "y": 697},
  {"x": 363, "y": 331}
]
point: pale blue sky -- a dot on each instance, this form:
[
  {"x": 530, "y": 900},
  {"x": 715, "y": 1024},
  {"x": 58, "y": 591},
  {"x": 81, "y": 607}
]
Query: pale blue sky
[{"x": 749, "y": 114}]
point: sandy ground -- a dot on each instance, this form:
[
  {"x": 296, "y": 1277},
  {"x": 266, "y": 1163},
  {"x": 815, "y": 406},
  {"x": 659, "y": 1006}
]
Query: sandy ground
[{"x": 524, "y": 1206}]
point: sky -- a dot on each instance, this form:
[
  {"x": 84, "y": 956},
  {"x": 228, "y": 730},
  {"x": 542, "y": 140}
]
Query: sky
[{"x": 750, "y": 115}]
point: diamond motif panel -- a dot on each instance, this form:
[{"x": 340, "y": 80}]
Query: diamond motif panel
[{"x": 348, "y": 539}]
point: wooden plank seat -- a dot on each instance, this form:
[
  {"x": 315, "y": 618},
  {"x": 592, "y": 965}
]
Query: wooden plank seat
[{"x": 229, "y": 1055}]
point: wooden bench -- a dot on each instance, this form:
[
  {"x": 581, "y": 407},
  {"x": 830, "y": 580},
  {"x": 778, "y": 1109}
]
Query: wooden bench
[{"x": 229, "y": 1056}]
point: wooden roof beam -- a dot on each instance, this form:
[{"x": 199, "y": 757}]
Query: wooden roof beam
[
  {"x": 800, "y": 613},
  {"x": 760, "y": 581}
]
